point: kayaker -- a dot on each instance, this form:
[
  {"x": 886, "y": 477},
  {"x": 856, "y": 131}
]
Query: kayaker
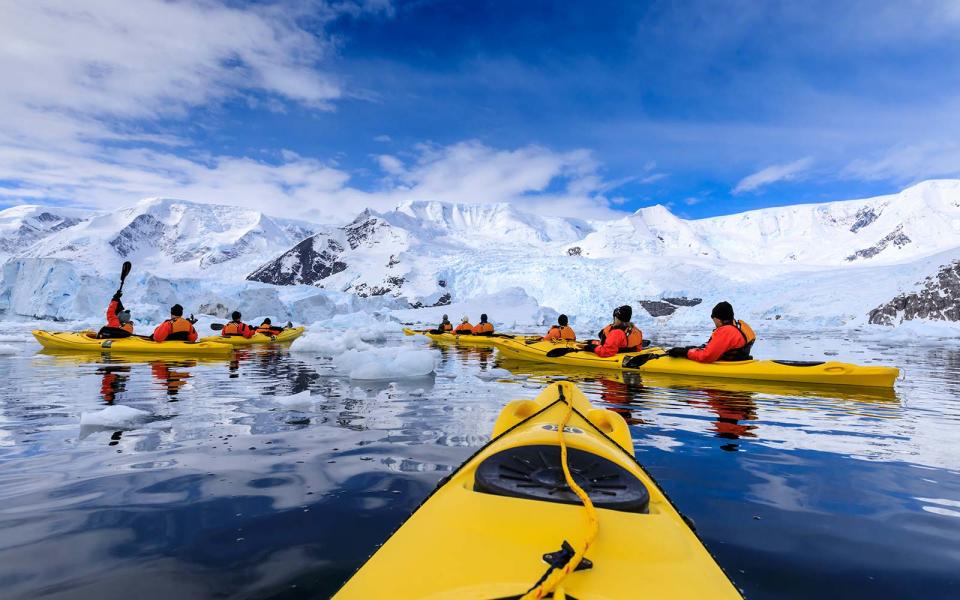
[
  {"x": 176, "y": 328},
  {"x": 621, "y": 335},
  {"x": 236, "y": 327},
  {"x": 445, "y": 325},
  {"x": 464, "y": 326},
  {"x": 267, "y": 327},
  {"x": 561, "y": 331},
  {"x": 118, "y": 324},
  {"x": 126, "y": 320},
  {"x": 483, "y": 327},
  {"x": 731, "y": 339}
]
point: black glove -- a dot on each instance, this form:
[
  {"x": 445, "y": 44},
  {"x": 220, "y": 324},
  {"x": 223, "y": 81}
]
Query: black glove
[
  {"x": 678, "y": 352},
  {"x": 589, "y": 347},
  {"x": 117, "y": 295}
]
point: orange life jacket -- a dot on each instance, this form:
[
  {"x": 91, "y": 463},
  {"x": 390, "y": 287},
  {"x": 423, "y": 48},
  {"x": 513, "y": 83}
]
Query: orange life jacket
[
  {"x": 634, "y": 335},
  {"x": 482, "y": 328},
  {"x": 464, "y": 328},
  {"x": 128, "y": 326},
  {"x": 749, "y": 337},
  {"x": 234, "y": 328},
  {"x": 560, "y": 332},
  {"x": 446, "y": 326}
]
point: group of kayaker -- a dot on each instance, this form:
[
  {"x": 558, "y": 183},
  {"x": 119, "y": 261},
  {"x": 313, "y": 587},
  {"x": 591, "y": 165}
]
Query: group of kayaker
[
  {"x": 178, "y": 328},
  {"x": 484, "y": 327},
  {"x": 731, "y": 339}
]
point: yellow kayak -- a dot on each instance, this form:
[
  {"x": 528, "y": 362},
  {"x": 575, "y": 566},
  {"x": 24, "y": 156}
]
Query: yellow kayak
[
  {"x": 490, "y": 528},
  {"x": 86, "y": 341},
  {"x": 653, "y": 360},
  {"x": 549, "y": 372},
  {"x": 468, "y": 339},
  {"x": 287, "y": 335}
]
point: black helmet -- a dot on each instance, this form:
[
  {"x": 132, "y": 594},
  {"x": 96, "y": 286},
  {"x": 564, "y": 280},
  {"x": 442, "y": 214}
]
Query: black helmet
[
  {"x": 562, "y": 320},
  {"x": 176, "y": 310},
  {"x": 236, "y": 315},
  {"x": 722, "y": 311}
]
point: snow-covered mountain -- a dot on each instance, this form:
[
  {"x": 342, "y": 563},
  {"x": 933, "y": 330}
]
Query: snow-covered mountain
[
  {"x": 808, "y": 264},
  {"x": 173, "y": 238},
  {"x": 22, "y": 226},
  {"x": 177, "y": 247},
  {"x": 804, "y": 265}
]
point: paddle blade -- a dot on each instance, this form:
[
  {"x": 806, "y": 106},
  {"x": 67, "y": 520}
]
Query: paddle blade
[
  {"x": 125, "y": 270},
  {"x": 558, "y": 352},
  {"x": 635, "y": 362},
  {"x": 216, "y": 326}
]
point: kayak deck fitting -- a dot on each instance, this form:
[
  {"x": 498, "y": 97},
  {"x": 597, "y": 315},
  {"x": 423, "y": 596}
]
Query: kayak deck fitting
[
  {"x": 86, "y": 341},
  {"x": 653, "y": 360},
  {"x": 506, "y": 522}
]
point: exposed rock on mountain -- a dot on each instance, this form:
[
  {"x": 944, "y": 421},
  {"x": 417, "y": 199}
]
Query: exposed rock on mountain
[
  {"x": 667, "y": 306},
  {"x": 937, "y": 300},
  {"x": 895, "y": 238}
]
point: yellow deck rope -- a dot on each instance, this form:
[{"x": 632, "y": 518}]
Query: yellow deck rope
[{"x": 593, "y": 524}]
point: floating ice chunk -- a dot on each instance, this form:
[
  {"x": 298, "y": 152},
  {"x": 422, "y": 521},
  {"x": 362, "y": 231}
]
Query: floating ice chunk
[
  {"x": 328, "y": 343},
  {"x": 117, "y": 416},
  {"x": 494, "y": 374},
  {"x": 7, "y": 349},
  {"x": 302, "y": 401},
  {"x": 386, "y": 363}
]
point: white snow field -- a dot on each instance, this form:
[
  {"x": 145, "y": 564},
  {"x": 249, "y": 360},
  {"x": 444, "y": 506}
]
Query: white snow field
[{"x": 801, "y": 266}]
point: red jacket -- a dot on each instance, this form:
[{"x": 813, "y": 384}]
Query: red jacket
[
  {"x": 112, "y": 319},
  {"x": 615, "y": 340},
  {"x": 168, "y": 327},
  {"x": 724, "y": 339}
]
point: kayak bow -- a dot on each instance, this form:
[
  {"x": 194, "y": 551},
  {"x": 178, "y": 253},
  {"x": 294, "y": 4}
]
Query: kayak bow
[{"x": 508, "y": 524}]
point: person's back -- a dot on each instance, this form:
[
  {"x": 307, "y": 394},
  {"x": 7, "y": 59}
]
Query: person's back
[
  {"x": 464, "y": 326},
  {"x": 267, "y": 328},
  {"x": 176, "y": 328},
  {"x": 484, "y": 327},
  {"x": 561, "y": 331},
  {"x": 236, "y": 327},
  {"x": 621, "y": 335},
  {"x": 731, "y": 339},
  {"x": 445, "y": 325}
]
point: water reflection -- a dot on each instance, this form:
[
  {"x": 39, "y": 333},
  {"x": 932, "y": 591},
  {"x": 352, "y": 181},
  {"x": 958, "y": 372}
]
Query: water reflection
[{"x": 224, "y": 489}]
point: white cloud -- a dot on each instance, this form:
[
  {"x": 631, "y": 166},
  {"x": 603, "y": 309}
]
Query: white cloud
[
  {"x": 89, "y": 87},
  {"x": 536, "y": 178},
  {"x": 78, "y": 71},
  {"x": 909, "y": 163},
  {"x": 773, "y": 174}
]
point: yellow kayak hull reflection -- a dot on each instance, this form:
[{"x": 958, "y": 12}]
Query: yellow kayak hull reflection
[{"x": 463, "y": 543}]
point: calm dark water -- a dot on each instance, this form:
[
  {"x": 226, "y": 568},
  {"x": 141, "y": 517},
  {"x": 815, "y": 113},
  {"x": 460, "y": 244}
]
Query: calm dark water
[{"x": 219, "y": 490}]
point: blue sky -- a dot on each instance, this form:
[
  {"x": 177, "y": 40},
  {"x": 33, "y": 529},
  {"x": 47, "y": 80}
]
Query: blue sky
[{"x": 319, "y": 109}]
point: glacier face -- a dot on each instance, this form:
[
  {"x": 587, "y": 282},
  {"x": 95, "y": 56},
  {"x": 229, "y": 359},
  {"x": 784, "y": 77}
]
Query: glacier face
[{"x": 802, "y": 265}]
